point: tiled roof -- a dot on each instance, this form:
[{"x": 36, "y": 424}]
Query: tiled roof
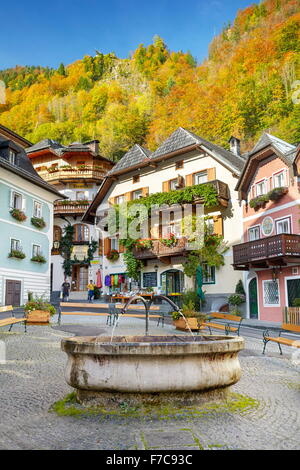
[
  {"x": 268, "y": 139},
  {"x": 182, "y": 138},
  {"x": 44, "y": 144},
  {"x": 137, "y": 154}
]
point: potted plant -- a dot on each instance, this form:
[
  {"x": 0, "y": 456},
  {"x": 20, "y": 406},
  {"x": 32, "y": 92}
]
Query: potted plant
[
  {"x": 235, "y": 300},
  {"x": 113, "y": 255},
  {"x": 18, "y": 215},
  {"x": 170, "y": 242},
  {"x": 277, "y": 193},
  {"x": 193, "y": 320},
  {"x": 38, "y": 311},
  {"x": 38, "y": 222},
  {"x": 16, "y": 254},
  {"x": 144, "y": 244}
]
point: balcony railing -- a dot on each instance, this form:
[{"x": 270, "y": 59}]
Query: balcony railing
[
  {"x": 222, "y": 191},
  {"x": 159, "y": 250},
  {"x": 71, "y": 208},
  {"x": 72, "y": 173},
  {"x": 269, "y": 248}
]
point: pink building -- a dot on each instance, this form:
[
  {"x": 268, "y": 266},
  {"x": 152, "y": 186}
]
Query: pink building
[{"x": 270, "y": 253}]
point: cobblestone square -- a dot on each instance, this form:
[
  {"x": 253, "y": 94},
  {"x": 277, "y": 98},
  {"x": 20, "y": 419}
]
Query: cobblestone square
[{"x": 32, "y": 379}]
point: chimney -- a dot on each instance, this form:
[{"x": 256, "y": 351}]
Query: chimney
[
  {"x": 235, "y": 145},
  {"x": 93, "y": 145}
]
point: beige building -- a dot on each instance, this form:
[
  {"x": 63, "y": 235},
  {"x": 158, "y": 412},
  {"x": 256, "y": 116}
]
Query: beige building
[{"x": 183, "y": 160}]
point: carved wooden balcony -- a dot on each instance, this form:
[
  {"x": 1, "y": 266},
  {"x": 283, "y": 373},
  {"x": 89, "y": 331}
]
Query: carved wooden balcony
[
  {"x": 159, "y": 250},
  {"x": 278, "y": 250},
  {"x": 73, "y": 174},
  {"x": 73, "y": 208}
]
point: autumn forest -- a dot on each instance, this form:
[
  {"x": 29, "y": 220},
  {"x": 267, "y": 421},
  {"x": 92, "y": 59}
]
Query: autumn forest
[{"x": 247, "y": 85}]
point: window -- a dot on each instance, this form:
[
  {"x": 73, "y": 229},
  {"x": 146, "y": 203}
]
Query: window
[
  {"x": 201, "y": 177},
  {"x": 16, "y": 200},
  {"x": 120, "y": 199},
  {"x": 210, "y": 226},
  {"x": 173, "y": 184},
  {"x": 15, "y": 244},
  {"x": 37, "y": 209},
  {"x": 279, "y": 180},
  {"x": 80, "y": 195},
  {"x": 81, "y": 233},
  {"x": 271, "y": 293},
  {"x": 209, "y": 274},
  {"x": 137, "y": 194},
  {"x": 57, "y": 233},
  {"x": 114, "y": 244},
  {"x": 12, "y": 157},
  {"x": 36, "y": 250},
  {"x": 136, "y": 179},
  {"x": 179, "y": 165},
  {"x": 260, "y": 188},
  {"x": 283, "y": 226},
  {"x": 254, "y": 233}
]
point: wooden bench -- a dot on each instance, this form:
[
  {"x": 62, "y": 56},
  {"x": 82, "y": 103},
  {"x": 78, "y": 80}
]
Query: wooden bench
[
  {"x": 226, "y": 324},
  {"x": 12, "y": 320},
  {"x": 112, "y": 314},
  {"x": 280, "y": 339}
]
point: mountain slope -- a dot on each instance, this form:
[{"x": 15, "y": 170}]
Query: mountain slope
[{"x": 243, "y": 88}]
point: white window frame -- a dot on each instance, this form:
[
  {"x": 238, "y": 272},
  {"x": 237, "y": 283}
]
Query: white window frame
[
  {"x": 196, "y": 175},
  {"x": 114, "y": 244},
  {"x": 12, "y": 156},
  {"x": 264, "y": 282},
  {"x": 139, "y": 192},
  {"x": 276, "y": 174},
  {"x": 264, "y": 182},
  {"x": 252, "y": 228},
  {"x": 211, "y": 269},
  {"x": 13, "y": 194},
  {"x": 35, "y": 212},
  {"x": 15, "y": 240},
  {"x": 39, "y": 251},
  {"x": 277, "y": 221}
]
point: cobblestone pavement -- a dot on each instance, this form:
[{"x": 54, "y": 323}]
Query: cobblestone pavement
[{"x": 32, "y": 379}]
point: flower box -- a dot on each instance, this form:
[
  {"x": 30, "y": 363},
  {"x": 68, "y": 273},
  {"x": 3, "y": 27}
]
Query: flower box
[
  {"x": 38, "y": 317},
  {"x": 17, "y": 254},
  {"x": 18, "y": 215},
  {"x": 38, "y": 222},
  {"x": 192, "y": 323}
]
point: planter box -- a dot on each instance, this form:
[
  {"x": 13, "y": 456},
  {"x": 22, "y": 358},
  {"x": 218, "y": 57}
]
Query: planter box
[
  {"x": 38, "y": 317},
  {"x": 192, "y": 322}
]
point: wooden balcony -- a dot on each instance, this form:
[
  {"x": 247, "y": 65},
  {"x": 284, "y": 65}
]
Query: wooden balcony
[
  {"x": 159, "y": 250},
  {"x": 73, "y": 174},
  {"x": 222, "y": 191},
  {"x": 278, "y": 250},
  {"x": 73, "y": 208}
]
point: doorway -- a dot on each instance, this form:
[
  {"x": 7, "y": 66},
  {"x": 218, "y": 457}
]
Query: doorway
[
  {"x": 253, "y": 302},
  {"x": 13, "y": 293},
  {"x": 172, "y": 281},
  {"x": 80, "y": 276}
]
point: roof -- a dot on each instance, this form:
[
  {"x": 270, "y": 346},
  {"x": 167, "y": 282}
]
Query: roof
[
  {"x": 14, "y": 136},
  {"x": 182, "y": 138},
  {"x": 286, "y": 151},
  {"x": 135, "y": 156},
  {"x": 27, "y": 172},
  {"x": 44, "y": 144}
]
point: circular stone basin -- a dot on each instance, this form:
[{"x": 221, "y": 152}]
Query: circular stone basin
[{"x": 141, "y": 368}]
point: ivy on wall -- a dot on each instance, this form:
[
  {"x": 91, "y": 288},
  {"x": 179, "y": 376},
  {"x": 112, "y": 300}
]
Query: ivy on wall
[{"x": 66, "y": 246}]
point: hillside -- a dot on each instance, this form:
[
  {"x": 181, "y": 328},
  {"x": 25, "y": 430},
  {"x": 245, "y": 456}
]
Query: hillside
[{"x": 243, "y": 88}]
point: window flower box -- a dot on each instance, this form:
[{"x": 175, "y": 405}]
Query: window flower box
[
  {"x": 170, "y": 242},
  {"x": 38, "y": 222},
  {"x": 39, "y": 259},
  {"x": 277, "y": 193},
  {"x": 113, "y": 255},
  {"x": 17, "y": 254},
  {"x": 18, "y": 215}
]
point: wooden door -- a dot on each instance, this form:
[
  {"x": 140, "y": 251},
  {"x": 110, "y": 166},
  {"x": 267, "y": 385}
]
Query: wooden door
[
  {"x": 253, "y": 302},
  {"x": 13, "y": 293}
]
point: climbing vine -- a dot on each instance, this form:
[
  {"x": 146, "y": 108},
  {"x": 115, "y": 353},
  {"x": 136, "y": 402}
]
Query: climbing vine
[{"x": 66, "y": 246}]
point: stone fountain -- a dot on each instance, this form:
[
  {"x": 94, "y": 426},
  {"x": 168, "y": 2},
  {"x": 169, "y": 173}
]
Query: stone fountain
[{"x": 179, "y": 369}]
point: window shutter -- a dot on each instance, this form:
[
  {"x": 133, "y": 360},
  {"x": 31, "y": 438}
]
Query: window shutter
[
  {"x": 165, "y": 186},
  {"x": 211, "y": 174},
  {"x": 112, "y": 200},
  {"x": 128, "y": 197},
  {"x": 145, "y": 192},
  {"x": 107, "y": 245},
  {"x": 189, "y": 180},
  {"x": 218, "y": 225},
  {"x": 100, "y": 249},
  {"x": 121, "y": 247}
]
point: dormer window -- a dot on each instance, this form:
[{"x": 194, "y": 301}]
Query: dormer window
[
  {"x": 12, "y": 157},
  {"x": 279, "y": 180},
  {"x": 260, "y": 188}
]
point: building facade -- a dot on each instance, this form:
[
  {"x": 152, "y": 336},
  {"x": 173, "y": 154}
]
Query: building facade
[
  {"x": 270, "y": 253},
  {"x": 76, "y": 171},
  {"x": 182, "y": 161},
  {"x": 26, "y": 224}
]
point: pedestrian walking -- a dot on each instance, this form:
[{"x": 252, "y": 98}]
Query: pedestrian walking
[{"x": 66, "y": 290}]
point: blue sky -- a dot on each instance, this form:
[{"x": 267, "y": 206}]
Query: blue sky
[{"x": 46, "y": 33}]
